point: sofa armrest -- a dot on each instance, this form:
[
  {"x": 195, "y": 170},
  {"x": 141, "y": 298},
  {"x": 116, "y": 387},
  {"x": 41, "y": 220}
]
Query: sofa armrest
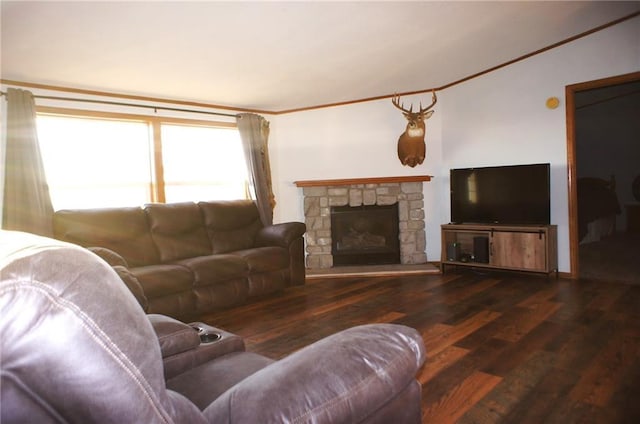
[
  {"x": 186, "y": 346},
  {"x": 174, "y": 336},
  {"x": 280, "y": 234},
  {"x": 120, "y": 266},
  {"x": 133, "y": 285},
  {"x": 109, "y": 256},
  {"x": 288, "y": 235},
  {"x": 343, "y": 378}
]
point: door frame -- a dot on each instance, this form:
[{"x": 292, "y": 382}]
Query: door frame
[{"x": 570, "y": 91}]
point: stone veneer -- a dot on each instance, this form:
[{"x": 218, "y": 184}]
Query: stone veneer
[{"x": 317, "y": 211}]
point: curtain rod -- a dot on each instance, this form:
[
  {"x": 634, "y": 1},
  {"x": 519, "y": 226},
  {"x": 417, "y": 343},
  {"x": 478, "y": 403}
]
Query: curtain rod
[{"x": 105, "y": 102}]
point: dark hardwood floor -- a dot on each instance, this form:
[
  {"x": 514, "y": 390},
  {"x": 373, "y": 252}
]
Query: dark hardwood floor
[{"x": 502, "y": 348}]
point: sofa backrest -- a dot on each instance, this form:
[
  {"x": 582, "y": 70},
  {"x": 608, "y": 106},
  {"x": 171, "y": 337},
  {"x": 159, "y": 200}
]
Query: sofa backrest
[
  {"x": 76, "y": 347},
  {"x": 177, "y": 230},
  {"x": 123, "y": 230},
  {"x": 231, "y": 225},
  {"x": 159, "y": 232}
]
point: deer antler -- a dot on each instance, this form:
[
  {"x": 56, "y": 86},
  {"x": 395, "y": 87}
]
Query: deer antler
[
  {"x": 434, "y": 99},
  {"x": 396, "y": 102}
]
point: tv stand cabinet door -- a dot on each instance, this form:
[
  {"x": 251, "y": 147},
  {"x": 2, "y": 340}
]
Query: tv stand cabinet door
[{"x": 519, "y": 250}]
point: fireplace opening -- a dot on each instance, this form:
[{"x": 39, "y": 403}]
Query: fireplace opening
[{"x": 365, "y": 235}]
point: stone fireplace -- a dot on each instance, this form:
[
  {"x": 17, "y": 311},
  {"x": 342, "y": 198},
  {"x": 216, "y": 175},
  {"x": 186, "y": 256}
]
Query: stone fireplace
[{"x": 320, "y": 196}]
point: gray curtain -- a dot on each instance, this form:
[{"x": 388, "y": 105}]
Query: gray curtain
[
  {"x": 26, "y": 202},
  {"x": 254, "y": 131}
]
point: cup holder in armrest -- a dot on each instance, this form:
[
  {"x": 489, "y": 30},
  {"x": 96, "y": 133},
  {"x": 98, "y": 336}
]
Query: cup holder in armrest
[
  {"x": 206, "y": 336},
  {"x": 209, "y": 337}
]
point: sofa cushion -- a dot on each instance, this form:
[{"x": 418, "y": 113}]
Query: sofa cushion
[
  {"x": 221, "y": 295},
  {"x": 161, "y": 280},
  {"x": 177, "y": 230},
  {"x": 231, "y": 225},
  {"x": 261, "y": 259},
  {"x": 204, "y": 384},
  {"x": 212, "y": 269},
  {"x": 123, "y": 230}
]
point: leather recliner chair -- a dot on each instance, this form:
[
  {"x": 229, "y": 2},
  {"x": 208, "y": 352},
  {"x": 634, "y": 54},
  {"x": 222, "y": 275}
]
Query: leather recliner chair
[{"x": 77, "y": 347}]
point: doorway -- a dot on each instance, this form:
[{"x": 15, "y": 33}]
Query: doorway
[{"x": 586, "y": 104}]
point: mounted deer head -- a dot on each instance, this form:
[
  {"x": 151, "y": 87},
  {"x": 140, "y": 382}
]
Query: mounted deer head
[{"x": 411, "y": 147}]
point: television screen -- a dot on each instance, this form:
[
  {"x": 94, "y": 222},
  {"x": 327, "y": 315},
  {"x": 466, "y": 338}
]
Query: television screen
[{"x": 516, "y": 194}]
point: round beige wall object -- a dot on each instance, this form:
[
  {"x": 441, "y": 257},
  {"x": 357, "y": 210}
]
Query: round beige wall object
[{"x": 553, "y": 102}]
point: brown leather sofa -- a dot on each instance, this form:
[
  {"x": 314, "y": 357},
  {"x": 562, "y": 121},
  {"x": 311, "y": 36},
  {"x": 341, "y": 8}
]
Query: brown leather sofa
[
  {"x": 187, "y": 259},
  {"x": 77, "y": 348}
]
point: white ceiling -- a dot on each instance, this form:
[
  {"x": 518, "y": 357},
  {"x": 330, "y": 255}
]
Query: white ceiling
[{"x": 278, "y": 56}]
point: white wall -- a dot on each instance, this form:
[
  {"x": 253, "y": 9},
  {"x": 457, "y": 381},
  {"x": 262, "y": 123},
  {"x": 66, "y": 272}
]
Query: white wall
[
  {"x": 358, "y": 140},
  {"x": 498, "y": 118}
]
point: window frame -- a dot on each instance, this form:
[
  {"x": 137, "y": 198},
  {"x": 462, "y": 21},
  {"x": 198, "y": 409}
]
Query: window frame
[{"x": 157, "y": 184}]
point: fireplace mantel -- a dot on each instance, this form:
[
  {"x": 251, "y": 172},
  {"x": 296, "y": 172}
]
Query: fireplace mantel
[{"x": 355, "y": 181}]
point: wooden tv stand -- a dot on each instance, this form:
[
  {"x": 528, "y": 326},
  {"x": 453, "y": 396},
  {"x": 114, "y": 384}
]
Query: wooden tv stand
[{"x": 530, "y": 248}]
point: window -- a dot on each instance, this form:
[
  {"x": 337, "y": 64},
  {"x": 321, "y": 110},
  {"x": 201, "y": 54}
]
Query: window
[
  {"x": 93, "y": 163},
  {"x": 112, "y": 161},
  {"x": 203, "y": 163}
]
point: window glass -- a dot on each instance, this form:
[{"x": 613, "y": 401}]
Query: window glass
[
  {"x": 203, "y": 163},
  {"x": 95, "y": 162}
]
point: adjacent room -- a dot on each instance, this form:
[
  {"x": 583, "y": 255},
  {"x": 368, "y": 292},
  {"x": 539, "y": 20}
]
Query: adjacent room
[{"x": 320, "y": 211}]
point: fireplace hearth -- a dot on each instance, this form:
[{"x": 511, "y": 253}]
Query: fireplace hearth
[{"x": 365, "y": 235}]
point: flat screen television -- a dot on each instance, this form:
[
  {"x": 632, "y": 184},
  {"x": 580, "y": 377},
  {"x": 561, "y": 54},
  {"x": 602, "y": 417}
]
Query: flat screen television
[{"x": 515, "y": 194}]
